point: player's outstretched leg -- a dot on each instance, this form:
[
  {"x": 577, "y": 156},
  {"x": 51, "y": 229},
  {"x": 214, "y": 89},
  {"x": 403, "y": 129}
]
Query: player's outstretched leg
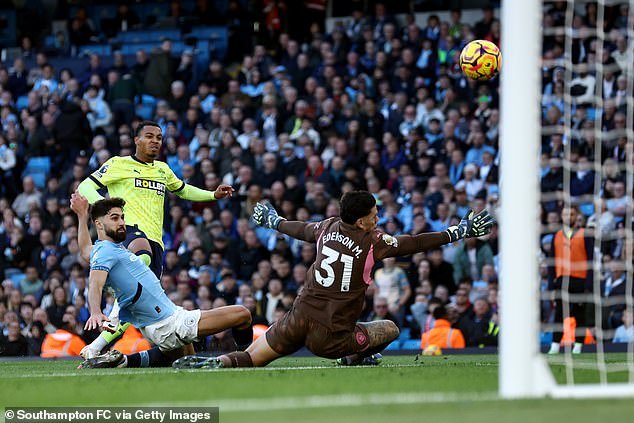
[
  {"x": 153, "y": 357},
  {"x": 380, "y": 334},
  {"x": 258, "y": 354},
  {"x": 238, "y": 318}
]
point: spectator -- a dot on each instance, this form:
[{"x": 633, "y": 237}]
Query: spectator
[
  {"x": 99, "y": 114},
  {"x": 381, "y": 311},
  {"x": 31, "y": 284},
  {"x": 64, "y": 342},
  {"x": 392, "y": 284},
  {"x": 29, "y": 198},
  {"x": 160, "y": 71},
  {"x": 14, "y": 344},
  {"x": 625, "y": 332},
  {"x": 442, "y": 335},
  {"x": 470, "y": 258},
  {"x": 613, "y": 286},
  {"x": 273, "y": 298},
  {"x": 571, "y": 249},
  {"x": 58, "y": 307}
]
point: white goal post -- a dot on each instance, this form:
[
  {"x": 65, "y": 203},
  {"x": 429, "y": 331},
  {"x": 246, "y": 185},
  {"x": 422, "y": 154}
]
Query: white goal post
[{"x": 523, "y": 371}]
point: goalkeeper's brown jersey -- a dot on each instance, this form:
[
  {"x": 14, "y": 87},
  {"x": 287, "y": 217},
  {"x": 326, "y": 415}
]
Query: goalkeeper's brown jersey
[{"x": 336, "y": 282}]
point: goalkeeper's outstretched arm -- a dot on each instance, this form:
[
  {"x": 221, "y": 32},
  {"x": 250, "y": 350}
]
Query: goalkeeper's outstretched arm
[{"x": 264, "y": 214}]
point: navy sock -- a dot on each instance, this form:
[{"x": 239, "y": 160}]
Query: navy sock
[
  {"x": 150, "y": 358},
  {"x": 134, "y": 360},
  {"x": 243, "y": 337}
]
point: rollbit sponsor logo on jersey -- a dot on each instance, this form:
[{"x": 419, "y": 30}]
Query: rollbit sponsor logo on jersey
[
  {"x": 346, "y": 241},
  {"x": 156, "y": 186}
]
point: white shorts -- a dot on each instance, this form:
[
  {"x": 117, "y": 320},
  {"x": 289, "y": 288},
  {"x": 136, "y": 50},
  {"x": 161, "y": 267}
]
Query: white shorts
[{"x": 180, "y": 329}]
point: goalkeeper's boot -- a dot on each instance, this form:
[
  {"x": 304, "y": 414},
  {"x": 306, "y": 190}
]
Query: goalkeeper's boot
[
  {"x": 196, "y": 362},
  {"x": 371, "y": 360},
  {"x": 108, "y": 360}
]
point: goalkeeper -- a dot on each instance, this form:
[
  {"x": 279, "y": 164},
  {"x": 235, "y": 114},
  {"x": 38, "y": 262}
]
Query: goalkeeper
[
  {"x": 142, "y": 182},
  {"x": 324, "y": 316}
]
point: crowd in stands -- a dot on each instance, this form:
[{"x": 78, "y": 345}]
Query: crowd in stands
[{"x": 377, "y": 103}]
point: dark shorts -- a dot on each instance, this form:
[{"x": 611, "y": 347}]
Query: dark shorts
[
  {"x": 156, "y": 265},
  {"x": 294, "y": 330}
]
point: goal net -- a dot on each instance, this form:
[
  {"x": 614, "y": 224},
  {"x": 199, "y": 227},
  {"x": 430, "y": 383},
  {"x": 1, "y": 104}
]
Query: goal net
[{"x": 566, "y": 138}]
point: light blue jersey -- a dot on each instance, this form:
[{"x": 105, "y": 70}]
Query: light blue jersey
[{"x": 138, "y": 291}]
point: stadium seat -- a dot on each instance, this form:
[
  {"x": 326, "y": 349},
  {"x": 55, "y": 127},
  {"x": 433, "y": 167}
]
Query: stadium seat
[
  {"x": 411, "y": 344},
  {"x": 38, "y": 168},
  {"x": 587, "y": 209},
  {"x": 39, "y": 179},
  {"x": 216, "y": 35},
  {"x": 38, "y": 164},
  {"x": 49, "y": 41},
  {"x": 16, "y": 278},
  {"x": 395, "y": 345},
  {"x": 404, "y": 335},
  {"x": 132, "y": 48},
  {"x": 147, "y": 36},
  {"x": 22, "y": 102},
  {"x": 100, "y": 49},
  {"x": 145, "y": 111}
]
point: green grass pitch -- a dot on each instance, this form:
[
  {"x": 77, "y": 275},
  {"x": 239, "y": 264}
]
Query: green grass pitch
[{"x": 403, "y": 389}]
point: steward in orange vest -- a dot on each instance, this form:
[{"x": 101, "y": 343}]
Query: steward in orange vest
[
  {"x": 442, "y": 334},
  {"x": 63, "y": 342},
  {"x": 571, "y": 269}
]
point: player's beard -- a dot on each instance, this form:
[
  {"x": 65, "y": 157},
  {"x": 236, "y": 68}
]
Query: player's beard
[{"x": 116, "y": 235}]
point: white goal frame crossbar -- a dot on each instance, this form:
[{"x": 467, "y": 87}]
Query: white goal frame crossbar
[{"x": 523, "y": 371}]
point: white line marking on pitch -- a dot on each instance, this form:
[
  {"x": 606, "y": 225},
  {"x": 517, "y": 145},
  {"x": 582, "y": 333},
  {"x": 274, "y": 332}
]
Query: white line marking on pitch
[
  {"x": 328, "y": 401},
  {"x": 163, "y": 371}
]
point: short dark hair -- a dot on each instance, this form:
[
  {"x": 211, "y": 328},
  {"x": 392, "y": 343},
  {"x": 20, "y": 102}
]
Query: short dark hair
[
  {"x": 143, "y": 124},
  {"x": 355, "y": 205},
  {"x": 440, "y": 312},
  {"x": 102, "y": 207}
]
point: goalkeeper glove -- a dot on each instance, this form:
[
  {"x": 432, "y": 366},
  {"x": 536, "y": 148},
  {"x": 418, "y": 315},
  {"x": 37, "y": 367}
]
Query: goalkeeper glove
[
  {"x": 265, "y": 215},
  {"x": 471, "y": 226}
]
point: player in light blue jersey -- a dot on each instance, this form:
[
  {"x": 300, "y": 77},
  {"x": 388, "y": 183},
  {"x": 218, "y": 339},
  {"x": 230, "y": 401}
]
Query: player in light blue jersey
[{"x": 141, "y": 298}]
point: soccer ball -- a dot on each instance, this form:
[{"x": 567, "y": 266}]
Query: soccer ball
[
  {"x": 480, "y": 60},
  {"x": 431, "y": 350}
]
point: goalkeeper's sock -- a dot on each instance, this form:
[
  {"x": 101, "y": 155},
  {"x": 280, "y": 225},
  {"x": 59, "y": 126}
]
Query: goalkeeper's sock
[
  {"x": 109, "y": 337},
  {"x": 238, "y": 359}
]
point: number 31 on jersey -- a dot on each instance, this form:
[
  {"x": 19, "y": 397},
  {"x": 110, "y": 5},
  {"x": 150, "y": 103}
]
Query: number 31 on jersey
[{"x": 326, "y": 264}]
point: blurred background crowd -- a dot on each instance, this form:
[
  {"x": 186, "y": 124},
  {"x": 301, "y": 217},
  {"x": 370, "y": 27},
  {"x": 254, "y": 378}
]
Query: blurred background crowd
[{"x": 297, "y": 103}]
